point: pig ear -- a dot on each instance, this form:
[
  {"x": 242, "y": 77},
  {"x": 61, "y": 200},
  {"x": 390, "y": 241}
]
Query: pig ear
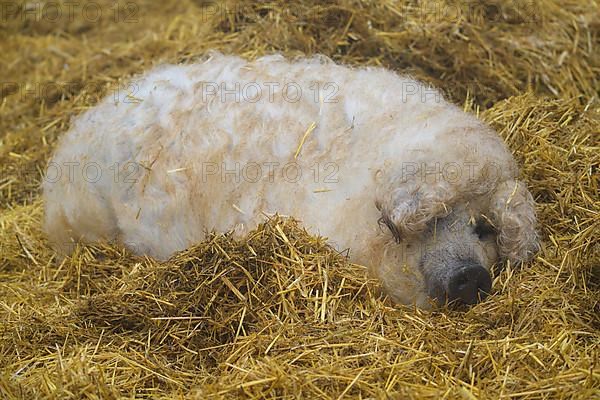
[
  {"x": 386, "y": 221},
  {"x": 512, "y": 210},
  {"x": 406, "y": 210}
]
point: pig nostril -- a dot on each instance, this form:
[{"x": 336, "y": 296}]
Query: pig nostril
[
  {"x": 469, "y": 285},
  {"x": 462, "y": 279}
]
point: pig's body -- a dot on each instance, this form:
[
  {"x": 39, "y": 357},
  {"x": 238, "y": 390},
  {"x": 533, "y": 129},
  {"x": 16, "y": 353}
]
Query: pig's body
[{"x": 184, "y": 155}]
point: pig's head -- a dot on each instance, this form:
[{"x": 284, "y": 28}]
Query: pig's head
[
  {"x": 446, "y": 257},
  {"x": 455, "y": 255}
]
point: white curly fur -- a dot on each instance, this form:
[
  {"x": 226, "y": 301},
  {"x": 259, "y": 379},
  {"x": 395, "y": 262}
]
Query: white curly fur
[{"x": 389, "y": 141}]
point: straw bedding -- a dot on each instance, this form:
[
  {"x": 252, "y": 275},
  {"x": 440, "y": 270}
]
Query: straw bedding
[{"x": 280, "y": 313}]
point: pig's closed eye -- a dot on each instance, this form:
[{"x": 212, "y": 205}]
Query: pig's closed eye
[{"x": 484, "y": 230}]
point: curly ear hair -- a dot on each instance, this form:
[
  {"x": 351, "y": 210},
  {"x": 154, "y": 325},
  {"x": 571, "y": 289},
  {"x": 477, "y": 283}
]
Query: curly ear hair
[
  {"x": 407, "y": 210},
  {"x": 513, "y": 213},
  {"x": 410, "y": 194}
]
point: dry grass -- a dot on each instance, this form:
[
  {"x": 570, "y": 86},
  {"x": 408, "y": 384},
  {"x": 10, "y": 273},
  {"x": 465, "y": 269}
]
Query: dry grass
[{"x": 280, "y": 314}]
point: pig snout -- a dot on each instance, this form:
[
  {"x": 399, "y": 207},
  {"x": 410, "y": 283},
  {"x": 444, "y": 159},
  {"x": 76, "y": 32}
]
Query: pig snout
[
  {"x": 458, "y": 282},
  {"x": 469, "y": 284}
]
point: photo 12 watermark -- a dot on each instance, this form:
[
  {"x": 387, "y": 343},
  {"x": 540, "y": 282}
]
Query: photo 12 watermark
[
  {"x": 253, "y": 92},
  {"x": 206, "y": 172},
  {"x": 131, "y": 172},
  {"x": 525, "y": 11},
  {"x": 208, "y": 92},
  {"x": 68, "y": 11}
]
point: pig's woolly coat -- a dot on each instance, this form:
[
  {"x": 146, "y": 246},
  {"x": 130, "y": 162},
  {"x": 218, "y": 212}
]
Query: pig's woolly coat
[{"x": 157, "y": 166}]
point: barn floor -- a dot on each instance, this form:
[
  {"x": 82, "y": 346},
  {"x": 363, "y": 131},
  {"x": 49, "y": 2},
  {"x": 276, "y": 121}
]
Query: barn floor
[{"x": 280, "y": 314}]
